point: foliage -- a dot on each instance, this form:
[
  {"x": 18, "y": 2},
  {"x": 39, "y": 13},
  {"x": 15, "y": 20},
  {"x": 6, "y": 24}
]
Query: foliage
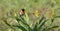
[
  {"x": 7, "y": 5},
  {"x": 37, "y": 27}
]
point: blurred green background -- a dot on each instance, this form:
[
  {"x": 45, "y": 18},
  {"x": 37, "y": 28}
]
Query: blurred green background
[{"x": 30, "y": 5}]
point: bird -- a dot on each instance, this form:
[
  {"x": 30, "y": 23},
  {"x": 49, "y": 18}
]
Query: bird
[{"x": 22, "y": 12}]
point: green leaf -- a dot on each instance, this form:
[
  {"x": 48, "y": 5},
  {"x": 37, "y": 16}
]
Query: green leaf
[
  {"x": 35, "y": 27},
  {"x": 7, "y": 23},
  {"x": 57, "y": 16},
  {"x": 44, "y": 29},
  {"x": 17, "y": 19},
  {"x": 41, "y": 19},
  {"x": 21, "y": 27},
  {"x": 22, "y": 19},
  {"x": 25, "y": 24},
  {"x": 42, "y": 24},
  {"x": 52, "y": 20},
  {"x": 26, "y": 17},
  {"x": 54, "y": 26}
]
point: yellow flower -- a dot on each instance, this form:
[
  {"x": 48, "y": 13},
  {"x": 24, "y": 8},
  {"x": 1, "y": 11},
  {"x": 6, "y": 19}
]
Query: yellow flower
[
  {"x": 15, "y": 14},
  {"x": 36, "y": 13}
]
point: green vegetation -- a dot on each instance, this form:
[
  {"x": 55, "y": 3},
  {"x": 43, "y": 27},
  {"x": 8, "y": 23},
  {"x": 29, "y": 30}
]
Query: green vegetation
[{"x": 40, "y": 15}]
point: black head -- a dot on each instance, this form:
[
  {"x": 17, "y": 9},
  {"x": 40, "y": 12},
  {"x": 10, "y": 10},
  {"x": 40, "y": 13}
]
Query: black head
[{"x": 23, "y": 9}]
